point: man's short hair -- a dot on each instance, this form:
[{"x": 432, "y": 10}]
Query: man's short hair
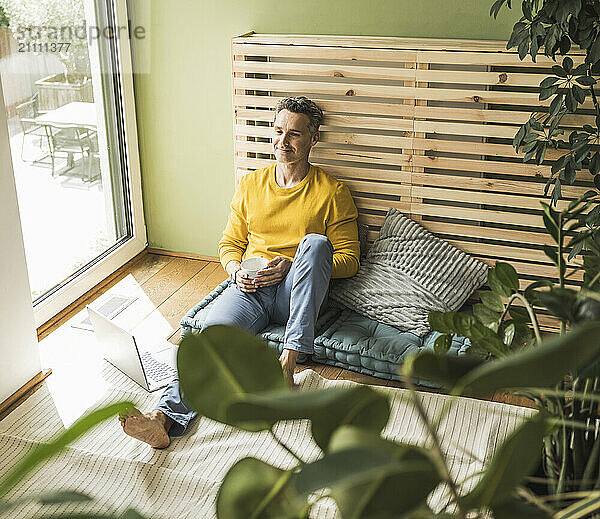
[{"x": 302, "y": 105}]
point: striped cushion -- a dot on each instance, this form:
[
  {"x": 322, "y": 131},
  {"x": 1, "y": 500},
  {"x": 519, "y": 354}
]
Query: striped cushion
[{"x": 407, "y": 273}]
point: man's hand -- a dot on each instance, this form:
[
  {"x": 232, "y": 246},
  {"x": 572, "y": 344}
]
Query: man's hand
[
  {"x": 244, "y": 283},
  {"x": 274, "y": 273}
]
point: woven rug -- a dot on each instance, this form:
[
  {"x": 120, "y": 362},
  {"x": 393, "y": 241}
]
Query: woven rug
[{"x": 182, "y": 481}]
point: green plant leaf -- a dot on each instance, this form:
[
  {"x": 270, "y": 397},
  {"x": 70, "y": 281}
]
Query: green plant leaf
[
  {"x": 549, "y": 222},
  {"x": 487, "y": 317},
  {"x": 48, "y": 450},
  {"x": 549, "y": 81},
  {"x": 348, "y": 467},
  {"x": 443, "y": 343},
  {"x": 523, "y": 335},
  {"x": 586, "y": 80},
  {"x": 556, "y": 105},
  {"x": 253, "y": 489},
  {"x": 389, "y": 494},
  {"x": 561, "y": 302},
  {"x": 445, "y": 370},
  {"x": 503, "y": 279},
  {"x": 327, "y": 409},
  {"x": 46, "y": 498},
  {"x": 519, "y": 314},
  {"x": 222, "y": 362},
  {"x": 542, "y": 366},
  {"x": 509, "y": 334},
  {"x": 496, "y": 7},
  {"x": 559, "y": 71},
  {"x": 581, "y": 509},
  {"x": 484, "y": 336},
  {"x": 551, "y": 253},
  {"x": 127, "y": 514},
  {"x": 513, "y": 509},
  {"x": 62, "y": 496},
  {"x": 570, "y": 101},
  {"x": 595, "y": 163},
  {"x": 578, "y": 93},
  {"x": 483, "y": 339},
  {"x": 451, "y": 322},
  {"x": 492, "y": 301},
  {"x": 548, "y": 92},
  {"x": 516, "y": 458},
  {"x": 567, "y": 64}
]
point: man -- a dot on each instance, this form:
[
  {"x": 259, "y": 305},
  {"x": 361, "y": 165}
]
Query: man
[{"x": 300, "y": 219}]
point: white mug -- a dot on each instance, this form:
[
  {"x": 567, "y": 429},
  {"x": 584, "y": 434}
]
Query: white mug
[{"x": 251, "y": 266}]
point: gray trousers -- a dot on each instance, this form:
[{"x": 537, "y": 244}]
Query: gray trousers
[{"x": 295, "y": 302}]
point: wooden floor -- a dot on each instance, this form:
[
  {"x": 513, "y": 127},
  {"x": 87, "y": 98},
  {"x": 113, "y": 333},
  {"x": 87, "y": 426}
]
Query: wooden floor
[{"x": 167, "y": 287}]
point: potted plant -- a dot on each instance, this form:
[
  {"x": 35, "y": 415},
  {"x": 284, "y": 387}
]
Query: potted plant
[
  {"x": 500, "y": 326},
  {"x": 58, "y": 27}
]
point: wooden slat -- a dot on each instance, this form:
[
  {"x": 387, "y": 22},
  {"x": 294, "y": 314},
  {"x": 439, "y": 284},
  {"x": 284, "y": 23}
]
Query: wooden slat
[
  {"x": 328, "y": 152},
  {"x": 490, "y": 233},
  {"x": 488, "y": 58},
  {"x": 478, "y": 148},
  {"x": 353, "y": 121},
  {"x": 480, "y": 114},
  {"x": 500, "y": 251},
  {"x": 393, "y": 92},
  {"x": 357, "y": 139},
  {"x": 477, "y": 197},
  {"x": 359, "y": 106},
  {"x": 322, "y": 53},
  {"x": 483, "y": 215},
  {"x": 374, "y": 42},
  {"x": 344, "y": 106},
  {"x": 389, "y": 73},
  {"x": 494, "y": 184}
]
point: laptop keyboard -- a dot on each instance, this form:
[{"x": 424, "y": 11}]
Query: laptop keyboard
[{"x": 155, "y": 369}]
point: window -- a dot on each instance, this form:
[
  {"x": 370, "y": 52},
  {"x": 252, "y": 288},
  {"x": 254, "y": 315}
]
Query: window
[{"x": 68, "y": 93}]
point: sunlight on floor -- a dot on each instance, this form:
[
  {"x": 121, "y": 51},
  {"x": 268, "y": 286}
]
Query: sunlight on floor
[{"x": 77, "y": 381}]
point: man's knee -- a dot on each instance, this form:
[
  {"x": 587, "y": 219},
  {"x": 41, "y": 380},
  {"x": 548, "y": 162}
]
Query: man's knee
[{"x": 316, "y": 244}]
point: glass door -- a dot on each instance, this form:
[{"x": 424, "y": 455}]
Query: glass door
[{"x": 66, "y": 75}]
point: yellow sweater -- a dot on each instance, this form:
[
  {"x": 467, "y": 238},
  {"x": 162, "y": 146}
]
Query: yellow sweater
[{"x": 268, "y": 220}]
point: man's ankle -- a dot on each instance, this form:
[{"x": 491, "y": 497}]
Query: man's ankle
[{"x": 165, "y": 420}]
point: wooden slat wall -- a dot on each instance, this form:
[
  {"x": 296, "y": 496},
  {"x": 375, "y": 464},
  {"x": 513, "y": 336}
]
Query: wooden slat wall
[{"x": 424, "y": 126}]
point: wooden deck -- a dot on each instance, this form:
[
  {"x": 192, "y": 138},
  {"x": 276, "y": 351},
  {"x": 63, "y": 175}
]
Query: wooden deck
[{"x": 167, "y": 287}]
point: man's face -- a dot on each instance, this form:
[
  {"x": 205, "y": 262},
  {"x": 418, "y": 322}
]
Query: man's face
[{"x": 292, "y": 140}]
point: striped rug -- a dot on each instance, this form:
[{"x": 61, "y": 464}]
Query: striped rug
[{"x": 182, "y": 481}]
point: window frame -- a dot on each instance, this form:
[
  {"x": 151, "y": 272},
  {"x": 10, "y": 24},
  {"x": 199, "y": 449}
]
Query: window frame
[{"x": 126, "y": 248}]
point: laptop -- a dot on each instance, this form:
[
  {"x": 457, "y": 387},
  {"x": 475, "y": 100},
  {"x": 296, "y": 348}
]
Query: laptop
[{"x": 151, "y": 366}]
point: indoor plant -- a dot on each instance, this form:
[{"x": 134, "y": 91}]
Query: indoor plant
[
  {"x": 498, "y": 328},
  {"x": 554, "y": 26},
  {"x": 358, "y": 467}
]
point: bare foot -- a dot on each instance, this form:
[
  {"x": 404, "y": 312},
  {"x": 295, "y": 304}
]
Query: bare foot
[
  {"x": 288, "y": 364},
  {"x": 151, "y": 428}
]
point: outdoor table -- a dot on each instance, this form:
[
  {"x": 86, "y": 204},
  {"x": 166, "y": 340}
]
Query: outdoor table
[{"x": 77, "y": 115}]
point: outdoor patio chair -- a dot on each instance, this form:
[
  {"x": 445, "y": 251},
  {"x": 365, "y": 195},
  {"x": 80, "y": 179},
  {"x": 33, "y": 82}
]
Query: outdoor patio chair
[
  {"x": 93, "y": 155},
  {"x": 71, "y": 140},
  {"x": 27, "y": 112}
]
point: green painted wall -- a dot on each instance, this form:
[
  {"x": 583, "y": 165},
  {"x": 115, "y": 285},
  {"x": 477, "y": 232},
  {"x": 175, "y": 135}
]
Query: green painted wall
[{"x": 184, "y": 104}]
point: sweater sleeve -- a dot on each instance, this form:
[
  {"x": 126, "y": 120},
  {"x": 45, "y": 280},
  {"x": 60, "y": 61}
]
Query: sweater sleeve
[
  {"x": 235, "y": 236},
  {"x": 342, "y": 231}
]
